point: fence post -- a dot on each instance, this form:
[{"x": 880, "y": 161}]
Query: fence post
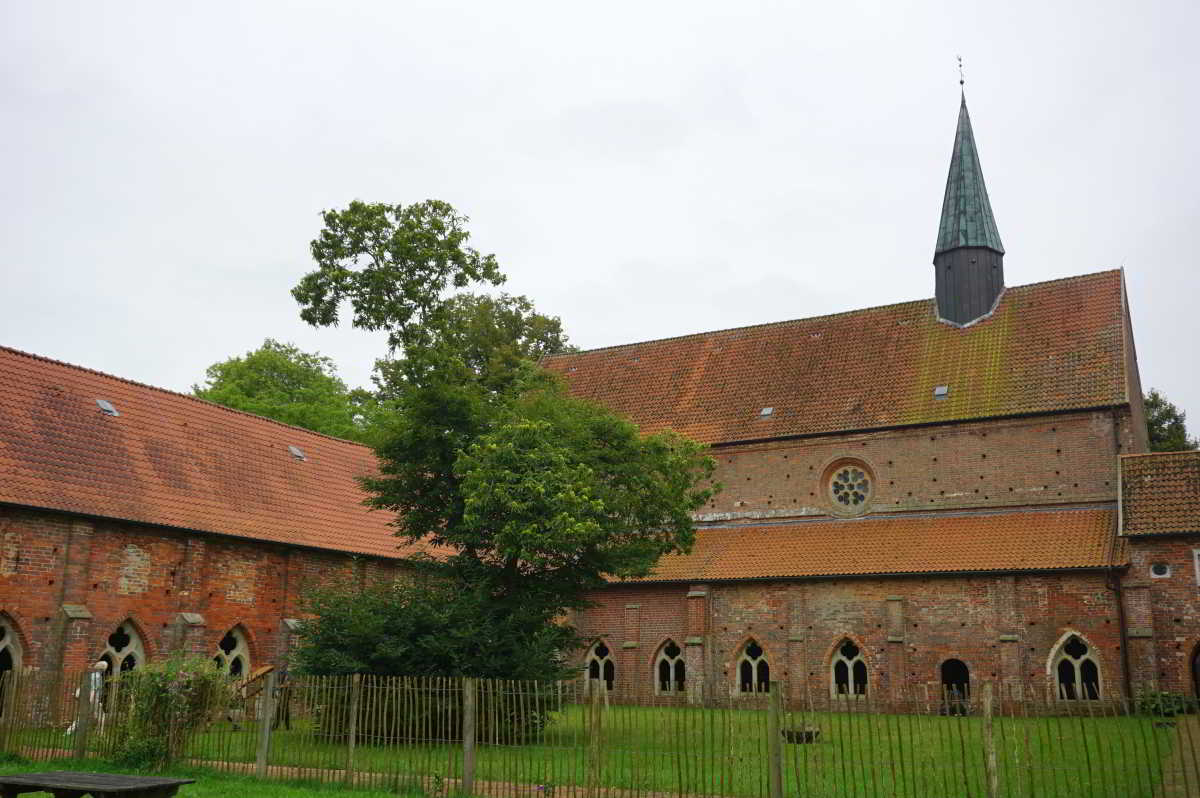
[
  {"x": 595, "y": 732},
  {"x": 468, "y": 775},
  {"x": 989, "y": 744},
  {"x": 775, "y": 740},
  {"x": 83, "y": 714},
  {"x": 264, "y": 726},
  {"x": 352, "y": 732}
]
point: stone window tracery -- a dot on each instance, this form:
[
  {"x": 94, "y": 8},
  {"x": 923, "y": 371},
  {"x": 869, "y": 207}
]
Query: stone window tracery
[
  {"x": 849, "y": 485},
  {"x": 600, "y": 666},
  {"x": 1076, "y": 671},
  {"x": 848, "y": 670},
  {"x": 670, "y": 672},
  {"x": 754, "y": 672},
  {"x": 123, "y": 650},
  {"x": 233, "y": 654}
]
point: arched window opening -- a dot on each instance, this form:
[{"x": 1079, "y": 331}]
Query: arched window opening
[
  {"x": 754, "y": 673},
  {"x": 600, "y": 666},
  {"x": 10, "y": 657},
  {"x": 1076, "y": 672},
  {"x": 124, "y": 650},
  {"x": 956, "y": 687},
  {"x": 1196, "y": 670},
  {"x": 670, "y": 670},
  {"x": 233, "y": 653},
  {"x": 849, "y": 670}
]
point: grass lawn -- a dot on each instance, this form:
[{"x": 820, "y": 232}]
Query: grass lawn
[
  {"x": 722, "y": 752},
  {"x": 209, "y": 784},
  {"x": 719, "y": 752}
]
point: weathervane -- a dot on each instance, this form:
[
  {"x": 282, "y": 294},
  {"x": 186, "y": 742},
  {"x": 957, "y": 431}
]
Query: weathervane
[{"x": 961, "y": 79}]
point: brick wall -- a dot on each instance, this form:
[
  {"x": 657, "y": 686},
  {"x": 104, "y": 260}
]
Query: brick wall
[
  {"x": 1002, "y": 627},
  {"x": 114, "y": 571},
  {"x": 1030, "y": 461},
  {"x": 1164, "y": 613}
]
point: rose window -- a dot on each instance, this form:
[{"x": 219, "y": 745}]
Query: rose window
[{"x": 850, "y": 487}]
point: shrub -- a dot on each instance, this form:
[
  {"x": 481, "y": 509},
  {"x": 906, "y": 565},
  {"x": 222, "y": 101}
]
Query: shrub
[
  {"x": 1163, "y": 704},
  {"x": 161, "y": 706}
]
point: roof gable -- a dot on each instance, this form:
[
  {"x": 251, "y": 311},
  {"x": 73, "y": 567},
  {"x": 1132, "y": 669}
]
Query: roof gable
[
  {"x": 1048, "y": 347},
  {"x": 174, "y": 460},
  {"x": 1160, "y": 493}
]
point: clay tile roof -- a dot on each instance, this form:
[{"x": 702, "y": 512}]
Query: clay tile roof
[
  {"x": 173, "y": 460},
  {"x": 1049, "y": 346},
  {"x": 936, "y": 543},
  {"x": 1160, "y": 493}
]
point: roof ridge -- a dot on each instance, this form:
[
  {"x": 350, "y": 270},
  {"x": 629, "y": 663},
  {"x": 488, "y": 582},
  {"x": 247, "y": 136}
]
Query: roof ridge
[
  {"x": 168, "y": 391},
  {"x": 1184, "y": 452},
  {"x": 814, "y": 318}
]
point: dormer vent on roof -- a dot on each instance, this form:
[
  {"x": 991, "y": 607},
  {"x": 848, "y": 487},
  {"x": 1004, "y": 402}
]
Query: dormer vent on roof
[
  {"x": 106, "y": 407},
  {"x": 297, "y": 452}
]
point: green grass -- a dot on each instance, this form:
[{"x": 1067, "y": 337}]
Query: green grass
[
  {"x": 710, "y": 752},
  {"x": 721, "y": 752},
  {"x": 209, "y": 784}
]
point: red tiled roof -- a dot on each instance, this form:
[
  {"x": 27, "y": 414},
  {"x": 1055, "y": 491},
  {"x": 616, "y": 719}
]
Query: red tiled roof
[
  {"x": 178, "y": 461},
  {"x": 1049, "y": 346},
  {"x": 1160, "y": 493},
  {"x": 934, "y": 543}
]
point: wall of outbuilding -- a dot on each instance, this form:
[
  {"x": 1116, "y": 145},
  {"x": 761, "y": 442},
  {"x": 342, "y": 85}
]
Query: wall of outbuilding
[{"x": 68, "y": 582}]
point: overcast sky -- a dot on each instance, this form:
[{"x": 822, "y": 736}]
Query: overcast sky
[{"x": 640, "y": 169}]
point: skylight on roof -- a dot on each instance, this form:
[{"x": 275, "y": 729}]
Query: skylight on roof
[
  {"x": 297, "y": 452},
  {"x": 766, "y": 411},
  {"x": 941, "y": 391},
  {"x": 106, "y": 407}
]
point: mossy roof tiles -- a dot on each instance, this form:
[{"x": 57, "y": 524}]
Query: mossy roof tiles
[
  {"x": 1048, "y": 347},
  {"x": 1059, "y": 539},
  {"x": 173, "y": 460},
  {"x": 1160, "y": 493}
]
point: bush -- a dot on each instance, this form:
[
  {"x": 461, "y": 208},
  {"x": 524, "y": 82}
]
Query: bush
[
  {"x": 1163, "y": 704},
  {"x": 161, "y": 706}
]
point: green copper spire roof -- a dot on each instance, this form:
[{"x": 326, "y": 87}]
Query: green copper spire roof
[{"x": 967, "y": 219}]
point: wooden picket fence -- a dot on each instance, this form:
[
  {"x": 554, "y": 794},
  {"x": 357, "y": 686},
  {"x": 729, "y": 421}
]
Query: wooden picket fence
[{"x": 442, "y": 736}]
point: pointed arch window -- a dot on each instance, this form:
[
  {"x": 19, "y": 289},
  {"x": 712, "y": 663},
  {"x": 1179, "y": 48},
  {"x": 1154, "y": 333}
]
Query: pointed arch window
[
  {"x": 754, "y": 672},
  {"x": 849, "y": 670},
  {"x": 233, "y": 653},
  {"x": 600, "y": 666},
  {"x": 124, "y": 650},
  {"x": 10, "y": 656},
  {"x": 670, "y": 672},
  {"x": 1075, "y": 671}
]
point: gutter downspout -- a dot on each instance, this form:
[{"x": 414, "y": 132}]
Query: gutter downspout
[{"x": 1114, "y": 584}]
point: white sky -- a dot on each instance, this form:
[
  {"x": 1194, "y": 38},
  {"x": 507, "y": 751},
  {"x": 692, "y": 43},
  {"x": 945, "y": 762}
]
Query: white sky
[{"x": 640, "y": 169}]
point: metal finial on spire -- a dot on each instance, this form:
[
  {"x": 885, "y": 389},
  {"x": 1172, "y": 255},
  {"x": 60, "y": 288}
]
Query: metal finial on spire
[{"x": 961, "y": 79}]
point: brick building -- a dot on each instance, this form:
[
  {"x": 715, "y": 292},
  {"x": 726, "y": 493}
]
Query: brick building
[{"x": 935, "y": 492}]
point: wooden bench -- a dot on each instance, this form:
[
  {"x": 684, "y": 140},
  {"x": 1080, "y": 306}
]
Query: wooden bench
[{"x": 70, "y": 784}]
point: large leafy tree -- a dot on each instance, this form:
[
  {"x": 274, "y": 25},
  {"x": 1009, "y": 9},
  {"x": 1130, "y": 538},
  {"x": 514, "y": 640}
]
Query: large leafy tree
[
  {"x": 393, "y": 264},
  {"x": 279, "y": 381},
  {"x": 532, "y": 498},
  {"x": 1166, "y": 425}
]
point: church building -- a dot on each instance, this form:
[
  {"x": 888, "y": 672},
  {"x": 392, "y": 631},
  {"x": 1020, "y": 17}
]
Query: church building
[{"x": 935, "y": 493}]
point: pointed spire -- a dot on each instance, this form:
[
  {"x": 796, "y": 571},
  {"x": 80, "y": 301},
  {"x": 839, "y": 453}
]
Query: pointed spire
[{"x": 967, "y": 219}]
